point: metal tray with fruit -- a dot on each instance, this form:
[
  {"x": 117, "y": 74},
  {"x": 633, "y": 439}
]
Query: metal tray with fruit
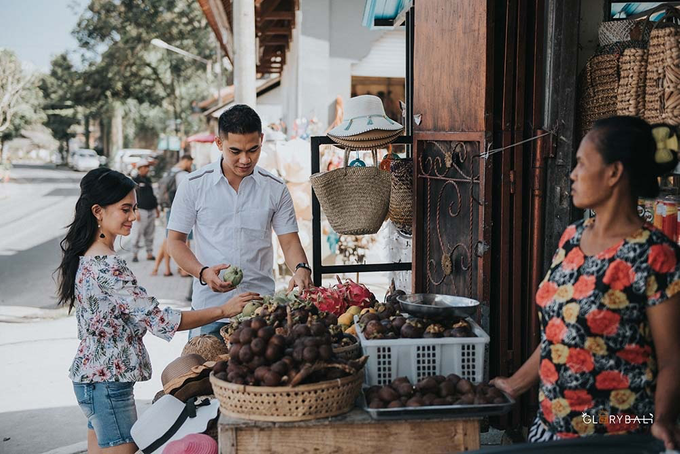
[
  {"x": 424, "y": 400},
  {"x": 437, "y": 306}
]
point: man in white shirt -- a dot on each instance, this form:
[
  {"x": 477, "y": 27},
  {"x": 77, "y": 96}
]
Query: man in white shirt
[{"x": 232, "y": 206}]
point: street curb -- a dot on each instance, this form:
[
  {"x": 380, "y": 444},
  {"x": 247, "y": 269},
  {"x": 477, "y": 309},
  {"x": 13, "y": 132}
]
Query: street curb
[
  {"x": 22, "y": 314},
  {"x": 76, "y": 448}
]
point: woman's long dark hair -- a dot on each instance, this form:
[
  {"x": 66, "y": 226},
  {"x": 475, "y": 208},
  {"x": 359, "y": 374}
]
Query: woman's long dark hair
[
  {"x": 102, "y": 187},
  {"x": 630, "y": 141}
]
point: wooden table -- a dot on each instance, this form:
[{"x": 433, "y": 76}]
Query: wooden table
[{"x": 354, "y": 432}]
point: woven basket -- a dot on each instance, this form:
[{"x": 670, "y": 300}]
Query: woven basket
[
  {"x": 598, "y": 88},
  {"x": 662, "y": 96},
  {"x": 349, "y": 352},
  {"x": 401, "y": 195},
  {"x": 354, "y": 199},
  {"x": 630, "y": 99},
  {"x": 286, "y": 404},
  {"x": 616, "y": 31}
]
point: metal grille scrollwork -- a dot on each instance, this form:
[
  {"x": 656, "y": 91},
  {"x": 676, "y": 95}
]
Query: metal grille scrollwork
[{"x": 450, "y": 172}]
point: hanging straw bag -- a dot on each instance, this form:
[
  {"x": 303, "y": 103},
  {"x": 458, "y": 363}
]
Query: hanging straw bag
[
  {"x": 621, "y": 30},
  {"x": 630, "y": 99},
  {"x": 662, "y": 93},
  {"x": 598, "y": 87},
  {"x": 401, "y": 195},
  {"x": 355, "y": 199}
]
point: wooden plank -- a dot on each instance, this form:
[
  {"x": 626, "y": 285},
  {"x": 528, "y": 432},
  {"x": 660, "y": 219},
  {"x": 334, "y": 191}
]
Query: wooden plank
[
  {"x": 274, "y": 42},
  {"x": 451, "y": 50},
  {"x": 278, "y": 31},
  {"x": 357, "y": 434},
  {"x": 277, "y": 15}
]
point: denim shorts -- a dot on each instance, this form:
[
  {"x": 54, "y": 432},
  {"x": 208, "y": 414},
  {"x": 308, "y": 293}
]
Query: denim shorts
[{"x": 110, "y": 410}]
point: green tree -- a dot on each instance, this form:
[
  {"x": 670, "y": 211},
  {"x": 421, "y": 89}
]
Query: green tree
[
  {"x": 20, "y": 99},
  {"x": 121, "y": 63},
  {"x": 61, "y": 90}
]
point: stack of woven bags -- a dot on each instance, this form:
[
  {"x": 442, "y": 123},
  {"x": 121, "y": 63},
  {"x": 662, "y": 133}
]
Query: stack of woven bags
[
  {"x": 358, "y": 198},
  {"x": 635, "y": 71}
]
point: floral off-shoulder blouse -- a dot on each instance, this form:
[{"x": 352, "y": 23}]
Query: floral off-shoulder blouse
[{"x": 113, "y": 314}]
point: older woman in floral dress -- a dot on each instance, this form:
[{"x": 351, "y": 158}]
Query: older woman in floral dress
[{"x": 609, "y": 306}]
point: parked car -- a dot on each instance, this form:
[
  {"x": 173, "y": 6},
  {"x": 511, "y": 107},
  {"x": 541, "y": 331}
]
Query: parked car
[
  {"x": 84, "y": 160},
  {"x": 126, "y": 159}
]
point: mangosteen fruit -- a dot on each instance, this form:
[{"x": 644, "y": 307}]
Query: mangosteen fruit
[
  {"x": 399, "y": 380},
  {"x": 220, "y": 366},
  {"x": 260, "y": 373},
  {"x": 301, "y": 331},
  {"x": 234, "y": 338},
  {"x": 278, "y": 340},
  {"x": 404, "y": 389},
  {"x": 273, "y": 353},
  {"x": 387, "y": 394},
  {"x": 446, "y": 389},
  {"x": 280, "y": 367},
  {"x": 297, "y": 354},
  {"x": 395, "y": 404},
  {"x": 464, "y": 387},
  {"x": 415, "y": 402},
  {"x": 245, "y": 354},
  {"x": 374, "y": 329},
  {"x": 221, "y": 375},
  {"x": 325, "y": 352},
  {"x": 246, "y": 335},
  {"x": 234, "y": 351},
  {"x": 410, "y": 332},
  {"x": 367, "y": 317},
  {"x": 245, "y": 323},
  {"x": 266, "y": 333},
  {"x": 427, "y": 384},
  {"x": 310, "y": 354},
  {"x": 398, "y": 322},
  {"x": 317, "y": 329},
  {"x": 258, "y": 346},
  {"x": 257, "y": 323},
  {"x": 271, "y": 378}
]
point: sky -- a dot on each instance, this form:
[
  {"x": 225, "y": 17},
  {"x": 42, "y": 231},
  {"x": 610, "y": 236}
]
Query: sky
[{"x": 37, "y": 30}]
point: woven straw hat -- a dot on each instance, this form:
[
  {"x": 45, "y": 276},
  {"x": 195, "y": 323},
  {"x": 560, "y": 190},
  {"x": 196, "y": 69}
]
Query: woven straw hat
[
  {"x": 187, "y": 377},
  {"x": 207, "y": 346},
  {"x": 362, "y": 114},
  {"x": 192, "y": 444},
  {"x": 371, "y": 140}
]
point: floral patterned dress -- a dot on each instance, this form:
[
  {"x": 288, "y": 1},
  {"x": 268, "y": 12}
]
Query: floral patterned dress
[
  {"x": 113, "y": 314},
  {"x": 597, "y": 355}
]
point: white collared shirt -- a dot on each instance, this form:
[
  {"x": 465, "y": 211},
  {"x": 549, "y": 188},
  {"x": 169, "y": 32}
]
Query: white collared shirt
[{"x": 233, "y": 227}]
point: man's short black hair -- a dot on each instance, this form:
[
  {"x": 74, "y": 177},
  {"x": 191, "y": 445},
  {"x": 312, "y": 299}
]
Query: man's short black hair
[
  {"x": 240, "y": 119},
  {"x": 187, "y": 157}
]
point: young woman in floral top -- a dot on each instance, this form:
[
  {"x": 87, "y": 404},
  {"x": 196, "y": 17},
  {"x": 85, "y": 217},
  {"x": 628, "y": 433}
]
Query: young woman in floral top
[
  {"x": 609, "y": 306},
  {"x": 113, "y": 312}
]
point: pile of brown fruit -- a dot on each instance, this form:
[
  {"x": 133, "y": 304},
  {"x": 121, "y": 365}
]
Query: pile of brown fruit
[
  {"x": 432, "y": 391},
  {"x": 261, "y": 356},
  {"x": 374, "y": 326}
]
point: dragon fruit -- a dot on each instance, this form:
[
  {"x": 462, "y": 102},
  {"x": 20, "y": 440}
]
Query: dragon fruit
[
  {"x": 326, "y": 299},
  {"x": 354, "y": 294}
]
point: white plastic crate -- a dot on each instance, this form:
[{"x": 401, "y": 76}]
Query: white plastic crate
[{"x": 419, "y": 358}]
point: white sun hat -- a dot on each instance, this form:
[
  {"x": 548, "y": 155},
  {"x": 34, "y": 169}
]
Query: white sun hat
[
  {"x": 169, "y": 419},
  {"x": 362, "y": 114}
]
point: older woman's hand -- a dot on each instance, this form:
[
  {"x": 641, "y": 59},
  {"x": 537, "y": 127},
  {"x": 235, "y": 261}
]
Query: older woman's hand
[
  {"x": 668, "y": 432},
  {"x": 505, "y": 385}
]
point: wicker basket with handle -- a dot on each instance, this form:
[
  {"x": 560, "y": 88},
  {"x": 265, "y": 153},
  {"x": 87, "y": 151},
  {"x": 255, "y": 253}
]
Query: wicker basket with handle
[
  {"x": 354, "y": 199},
  {"x": 401, "y": 195},
  {"x": 662, "y": 92},
  {"x": 288, "y": 404}
]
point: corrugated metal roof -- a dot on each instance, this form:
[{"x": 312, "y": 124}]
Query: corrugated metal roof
[{"x": 381, "y": 9}]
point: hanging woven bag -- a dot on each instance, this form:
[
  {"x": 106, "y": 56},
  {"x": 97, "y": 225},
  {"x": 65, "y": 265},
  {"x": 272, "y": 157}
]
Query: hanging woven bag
[{"x": 355, "y": 199}]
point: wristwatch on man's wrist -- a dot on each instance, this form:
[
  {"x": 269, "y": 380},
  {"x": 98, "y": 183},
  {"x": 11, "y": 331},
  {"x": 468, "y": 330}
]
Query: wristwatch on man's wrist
[{"x": 303, "y": 265}]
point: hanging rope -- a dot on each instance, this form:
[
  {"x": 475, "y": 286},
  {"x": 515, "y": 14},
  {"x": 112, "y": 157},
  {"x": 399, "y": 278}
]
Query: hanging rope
[{"x": 490, "y": 152}]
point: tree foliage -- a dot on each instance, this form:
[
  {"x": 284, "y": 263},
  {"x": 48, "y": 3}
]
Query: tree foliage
[{"x": 20, "y": 100}]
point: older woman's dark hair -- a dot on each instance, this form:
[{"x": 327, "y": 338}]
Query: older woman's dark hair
[
  {"x": 101, "y": 187},
  {"x": 630, "y": 141}
]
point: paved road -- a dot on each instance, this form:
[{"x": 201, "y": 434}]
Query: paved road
[{"x": 35, "y": 208}]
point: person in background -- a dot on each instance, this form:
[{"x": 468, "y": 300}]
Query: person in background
[
  {"x": 168, "y": 188},
  {"x": 609, "y": 306},
  {"x": 147, "y": 214},
  {"x": 113, "y": 311}
]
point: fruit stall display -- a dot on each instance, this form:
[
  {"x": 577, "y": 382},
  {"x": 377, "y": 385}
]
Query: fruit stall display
[{"x": 284, "y": 344}]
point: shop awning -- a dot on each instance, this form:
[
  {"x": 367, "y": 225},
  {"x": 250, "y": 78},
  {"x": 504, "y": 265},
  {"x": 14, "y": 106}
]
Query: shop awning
[
  {"x": 382, "y": 14},
  {"x": 202, "y": 137}
]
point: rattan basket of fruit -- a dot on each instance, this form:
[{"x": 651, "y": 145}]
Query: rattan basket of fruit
[{"x": 285, "y": 374}]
